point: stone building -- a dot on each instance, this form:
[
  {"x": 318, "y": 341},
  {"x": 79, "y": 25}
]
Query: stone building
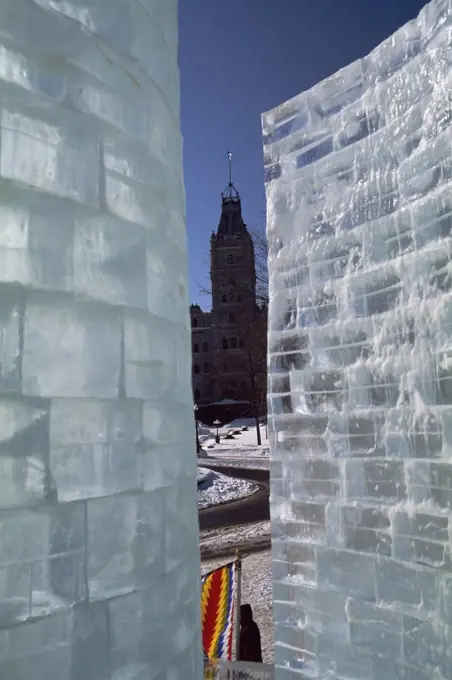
[{"x": 229, "y": 342}]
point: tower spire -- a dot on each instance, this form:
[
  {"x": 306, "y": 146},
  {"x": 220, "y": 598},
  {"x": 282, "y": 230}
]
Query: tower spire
[{"x": 231, "y": 192}]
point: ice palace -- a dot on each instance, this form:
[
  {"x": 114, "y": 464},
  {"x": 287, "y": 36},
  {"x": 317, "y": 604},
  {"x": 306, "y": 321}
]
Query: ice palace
[{"x": 98, "y": 518}]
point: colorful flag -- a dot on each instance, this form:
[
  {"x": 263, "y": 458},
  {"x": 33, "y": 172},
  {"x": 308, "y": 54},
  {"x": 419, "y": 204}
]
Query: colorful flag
[{"x": 217, "y": 611}]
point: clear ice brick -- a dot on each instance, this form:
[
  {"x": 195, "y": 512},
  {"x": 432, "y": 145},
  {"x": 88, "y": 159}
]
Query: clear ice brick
[{"x": 84, "y": 338}]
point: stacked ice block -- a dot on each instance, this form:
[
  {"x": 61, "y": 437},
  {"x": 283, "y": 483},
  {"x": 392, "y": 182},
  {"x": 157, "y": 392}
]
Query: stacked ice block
[
  {"x": 359, "y": 199},
  {"x": 99, "y": 566}
]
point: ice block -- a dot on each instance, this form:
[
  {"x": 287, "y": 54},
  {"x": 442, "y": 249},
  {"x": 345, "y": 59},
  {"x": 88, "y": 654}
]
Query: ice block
[
  {"x": 99, "y": 559},
  {"x": 358, "y": 182}
]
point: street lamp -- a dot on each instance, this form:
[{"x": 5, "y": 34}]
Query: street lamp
[
  {"x": 217, "y": 425},
  {"x": 195, "y": 408}
]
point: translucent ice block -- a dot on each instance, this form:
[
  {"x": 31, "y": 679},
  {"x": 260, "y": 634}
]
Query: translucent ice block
[
  {"x": 99, "y": 564},
  {"x": 359, "y": 180}
]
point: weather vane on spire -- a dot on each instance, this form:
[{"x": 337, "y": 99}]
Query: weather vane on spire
[{"x": 231, "y": 191}]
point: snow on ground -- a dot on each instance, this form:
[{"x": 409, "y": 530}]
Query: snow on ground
[
  {"x": 238, "y": 461},
  {"x": 222, "y": 539},
  {"x": 201, "y": 475},
  {"x": 257, "y": 591},
  {"x": 242, "y": 450},
  {"x": 214, "y": 488}
]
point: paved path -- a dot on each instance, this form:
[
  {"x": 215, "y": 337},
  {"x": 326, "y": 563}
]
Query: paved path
[{"x": 253, "y": 508}]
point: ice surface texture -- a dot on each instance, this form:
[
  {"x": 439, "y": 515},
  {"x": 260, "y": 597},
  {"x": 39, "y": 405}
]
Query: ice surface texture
[
  {"x": 359, "y": 199},
  {"x": 99, "y": 566}
]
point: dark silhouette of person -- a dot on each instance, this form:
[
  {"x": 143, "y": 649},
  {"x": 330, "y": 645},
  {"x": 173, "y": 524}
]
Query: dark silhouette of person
[{"x": 250, "y": 638}]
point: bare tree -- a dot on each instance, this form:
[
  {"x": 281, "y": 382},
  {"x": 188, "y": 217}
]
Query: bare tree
[
  {"x": 261, "y": 264},
  {"x": 255, "y": 364}
]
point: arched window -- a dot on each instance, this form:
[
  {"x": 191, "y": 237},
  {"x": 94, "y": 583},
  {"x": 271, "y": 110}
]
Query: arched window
[
  {"x": 195, "y": 323},
  {"x": 205, "y": 347},
  {"x": 225, "y": 343}
]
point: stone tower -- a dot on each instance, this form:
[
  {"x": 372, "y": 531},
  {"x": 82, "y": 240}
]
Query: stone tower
[
  {"x": 232, "y": 264},
  {"x": 236, "y": 317},
  {"x": 229, "y": 342}
]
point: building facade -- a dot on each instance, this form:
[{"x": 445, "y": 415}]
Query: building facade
[{"x": 229, "y": 343}]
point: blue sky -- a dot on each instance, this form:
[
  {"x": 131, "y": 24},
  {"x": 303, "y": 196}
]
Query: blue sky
[{"x": 239, "y": 58}]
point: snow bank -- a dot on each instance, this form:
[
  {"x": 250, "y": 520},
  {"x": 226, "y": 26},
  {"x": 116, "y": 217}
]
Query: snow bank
[{"x": 215, "y": 488}]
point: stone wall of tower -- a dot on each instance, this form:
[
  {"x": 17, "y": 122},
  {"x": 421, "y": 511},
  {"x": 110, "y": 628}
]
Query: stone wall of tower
[{"x": 232, "y": 272}]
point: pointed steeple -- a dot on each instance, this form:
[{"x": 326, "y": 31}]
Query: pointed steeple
[
  {"x": 231, "y": 221},
  {"x": 230, "y": 193}
]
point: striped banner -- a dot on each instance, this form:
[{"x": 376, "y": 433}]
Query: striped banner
[{"x": 217, "y": 611}]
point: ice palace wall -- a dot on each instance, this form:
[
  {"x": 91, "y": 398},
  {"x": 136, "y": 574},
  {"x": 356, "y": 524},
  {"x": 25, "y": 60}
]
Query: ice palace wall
[
  {"x": 99, "y": 560},
  {"x": 359, "y": 202}
]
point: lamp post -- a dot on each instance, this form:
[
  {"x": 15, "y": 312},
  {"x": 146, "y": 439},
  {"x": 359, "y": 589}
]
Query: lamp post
[
  {"x": 217, "y": 425},
  {"x": 195, "y": 408}
]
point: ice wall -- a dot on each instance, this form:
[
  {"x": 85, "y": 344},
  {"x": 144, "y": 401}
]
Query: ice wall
[
  {"x": 99, "y": 566},
  {"x": 359, "y": 179}
]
